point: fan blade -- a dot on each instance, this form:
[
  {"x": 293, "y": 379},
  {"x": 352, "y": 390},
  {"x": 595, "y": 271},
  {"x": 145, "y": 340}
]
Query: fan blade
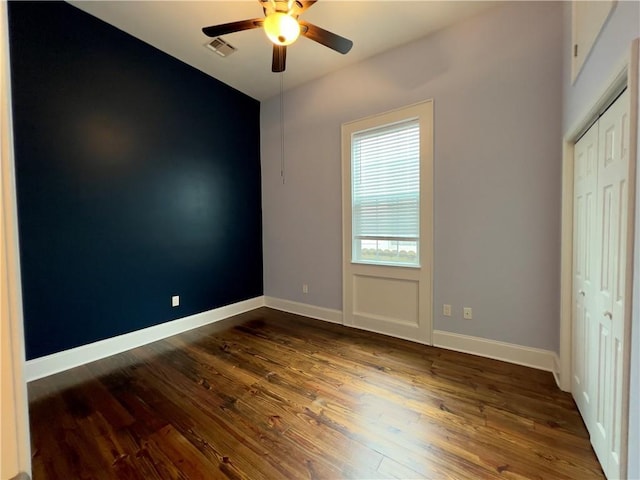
[
  {"x": 267, "y": 7},
  {"x": 225, "y": 28},
  {"x": 325, "y": 37},
  {"x": 301, "y": 6},
  {"x": 279, "y": 58}
]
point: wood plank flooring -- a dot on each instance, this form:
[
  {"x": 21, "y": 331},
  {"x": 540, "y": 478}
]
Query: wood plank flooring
[{"x": 270, "y": 395}]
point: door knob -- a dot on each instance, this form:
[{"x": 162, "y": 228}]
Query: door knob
[
  {"x": 581, "y": 292},
  {"x": 608, "y": 314}
]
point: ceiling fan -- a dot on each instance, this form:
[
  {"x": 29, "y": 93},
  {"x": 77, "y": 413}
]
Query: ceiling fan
[{"x": 283, "y": 27}]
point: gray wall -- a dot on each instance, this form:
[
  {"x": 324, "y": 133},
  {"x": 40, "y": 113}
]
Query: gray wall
[
  {"x": 608, "y": 56},
  {"x": 496, "y": 84}
]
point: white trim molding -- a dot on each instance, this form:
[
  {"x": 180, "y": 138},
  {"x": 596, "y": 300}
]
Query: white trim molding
[
  {"x": 304, "y": 309},
  {"x": 410, "y": 314},
  {"x": 58, "y": 362},
  {"x": 566, "y": 268},
  {"x": 67, "y": 359},
  {"x": 507, "y": 352},
  {"x": 15, "y": 454},
  {"x": 557, "y": 365}
]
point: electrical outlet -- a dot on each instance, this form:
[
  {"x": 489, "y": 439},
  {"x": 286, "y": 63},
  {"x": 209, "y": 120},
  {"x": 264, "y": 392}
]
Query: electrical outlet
[
  {"x": 305, "y": 288},
  {"x": 467, "y": 313},
  {"x": 175, "y": 300},
  {"x": 446, "y": 310}
]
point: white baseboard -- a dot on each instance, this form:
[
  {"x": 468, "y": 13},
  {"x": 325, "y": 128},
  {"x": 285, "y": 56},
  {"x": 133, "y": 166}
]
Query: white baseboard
[
  {"x": 304, "y": 309},
  {"x": 556, "y": 370},
  {"x": 507, "y": 352},
  {"x": 58, "y": 362}
]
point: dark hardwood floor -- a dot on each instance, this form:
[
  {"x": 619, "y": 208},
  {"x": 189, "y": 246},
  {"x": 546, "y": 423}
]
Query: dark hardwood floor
[{"x": 273, "y": 395}]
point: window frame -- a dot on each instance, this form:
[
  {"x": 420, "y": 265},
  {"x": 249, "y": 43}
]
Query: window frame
[{"x": 423, "y": 112}]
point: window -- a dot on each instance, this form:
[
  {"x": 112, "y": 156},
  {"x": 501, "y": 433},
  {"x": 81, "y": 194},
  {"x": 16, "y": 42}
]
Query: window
[
  {"x": 385, "y": 194},
  {"x": 387, "y": 222}
]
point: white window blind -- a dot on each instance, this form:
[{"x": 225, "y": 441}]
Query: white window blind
[{"x": 385, "y": 175}]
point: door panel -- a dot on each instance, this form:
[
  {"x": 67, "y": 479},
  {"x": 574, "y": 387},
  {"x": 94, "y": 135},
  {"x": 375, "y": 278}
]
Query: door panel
[
  {"x": 601, "y": 198},
  {"x": 609, "y": 312},
  {"x": 585, "y": 241},
  {"x": 602, "y": 375},
  {"x": 607, "y": 226}
]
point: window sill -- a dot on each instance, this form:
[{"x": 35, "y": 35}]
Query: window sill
[{"x": 384, "y": 264}]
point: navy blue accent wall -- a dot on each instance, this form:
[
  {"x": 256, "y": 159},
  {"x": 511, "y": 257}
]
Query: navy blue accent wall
[{"x": 138, "y": 178}]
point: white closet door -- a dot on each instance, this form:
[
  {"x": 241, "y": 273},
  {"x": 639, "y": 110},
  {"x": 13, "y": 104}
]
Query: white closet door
[
  {"x": 584, "y": 268},
  {"x": 607, "y": 347}
]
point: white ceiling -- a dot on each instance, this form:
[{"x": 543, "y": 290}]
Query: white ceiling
[{"x": 374, "y": 26}]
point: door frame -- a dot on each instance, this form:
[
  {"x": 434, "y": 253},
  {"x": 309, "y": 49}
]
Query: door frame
[
  {"x": 15, "y": 455},
  {"x": 627, "y": 76}
]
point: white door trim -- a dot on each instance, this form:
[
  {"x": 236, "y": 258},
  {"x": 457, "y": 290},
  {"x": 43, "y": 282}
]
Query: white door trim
[{"x": 14, "y": 420}]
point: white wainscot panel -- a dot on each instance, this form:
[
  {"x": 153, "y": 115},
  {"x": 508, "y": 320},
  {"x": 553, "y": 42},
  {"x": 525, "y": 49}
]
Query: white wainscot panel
[{"x": 387, "y": 299}]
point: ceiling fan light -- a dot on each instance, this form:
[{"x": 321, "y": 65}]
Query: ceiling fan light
[{"x": 281, "y": 28}]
